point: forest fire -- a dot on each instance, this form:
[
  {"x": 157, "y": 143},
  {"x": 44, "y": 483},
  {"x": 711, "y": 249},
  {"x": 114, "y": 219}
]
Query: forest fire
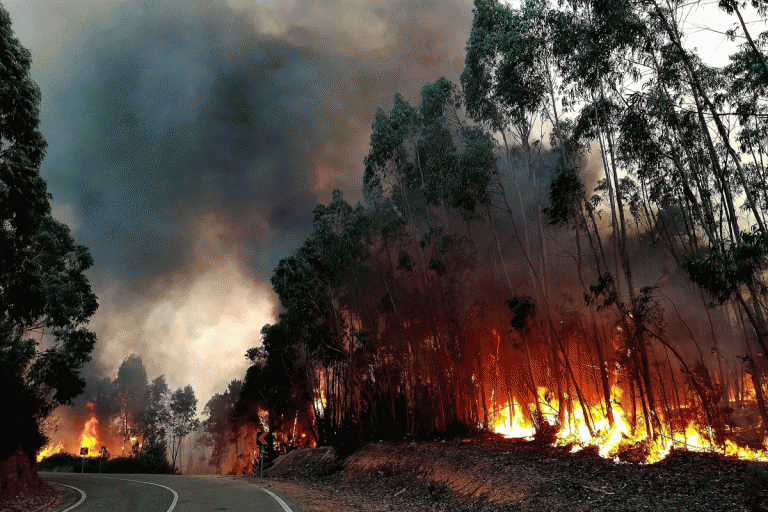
[
  {"x": 611, "y": 439},
  {"x": 49, "y": 450},
  {"x": 88, "y": 437}
]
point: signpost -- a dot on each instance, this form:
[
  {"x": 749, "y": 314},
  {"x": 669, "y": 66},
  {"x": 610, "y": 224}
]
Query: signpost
[
  {"x": 261, "y": 439},
  {"x": 101, "y": 456},
  {"x": 83, "y": 453}
]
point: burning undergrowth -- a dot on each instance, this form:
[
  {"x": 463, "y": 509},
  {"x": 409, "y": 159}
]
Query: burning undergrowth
[
  {"x": 123, "y": 423},
  {"x": 481, "y": 287}
]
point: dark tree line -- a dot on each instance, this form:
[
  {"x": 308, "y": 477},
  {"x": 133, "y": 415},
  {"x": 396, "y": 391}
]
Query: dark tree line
[
  {"x": 45, "y": 297},
  {"x": 576, "y": 229},
  {"x": 138, "y": 418}
]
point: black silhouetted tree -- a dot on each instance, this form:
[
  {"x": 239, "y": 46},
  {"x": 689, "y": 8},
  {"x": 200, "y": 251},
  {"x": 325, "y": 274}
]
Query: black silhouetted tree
[
  {"x": 218, "y": 427},
  {"x": 45, "y": 297},
  {"x": 277, "y": 383},
  {"x": 131, "y": 396},
  {"x": 154, "y": 420}
]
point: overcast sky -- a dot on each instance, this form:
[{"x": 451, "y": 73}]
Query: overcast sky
[{"x": 189, "y": 141}]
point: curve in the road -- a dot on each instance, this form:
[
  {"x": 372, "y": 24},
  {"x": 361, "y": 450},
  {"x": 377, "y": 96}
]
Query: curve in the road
[
  {"x": 191, "y": 493},
  {"x": 277, "y": 499},
  {"x": 82, "y": 497},
  {"x": 175, "y": 494}
]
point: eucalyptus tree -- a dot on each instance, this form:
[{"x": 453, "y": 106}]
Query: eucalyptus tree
[
  {"x": 436, "y": 169},
  {"x": 130, "y": 394},
  {"x": 154, "y": 419},
  {"x": 182, "y": 408},
  {"x": 219, "y": 425},
  {"x": 45, "y": 297},
  {"x": 511, "y": 85}
]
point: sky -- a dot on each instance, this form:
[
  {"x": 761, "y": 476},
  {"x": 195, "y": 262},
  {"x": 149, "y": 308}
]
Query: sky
[{"x": 189, "y": 141}]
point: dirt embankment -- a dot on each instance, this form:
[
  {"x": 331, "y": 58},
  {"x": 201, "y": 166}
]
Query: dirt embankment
[
  {"x": 493, "y": 475},
  {"x": 21, "y": 489},
  {"x": 17, "y": 473}
]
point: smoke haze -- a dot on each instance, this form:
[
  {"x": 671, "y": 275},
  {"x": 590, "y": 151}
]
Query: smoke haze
[{"x": 190, "y": 140}]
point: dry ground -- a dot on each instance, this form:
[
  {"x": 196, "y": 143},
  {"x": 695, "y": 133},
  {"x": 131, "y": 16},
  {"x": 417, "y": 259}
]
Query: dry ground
[
  {"x": 491, "y": 474},
  {"x": 37, "y": 499}
]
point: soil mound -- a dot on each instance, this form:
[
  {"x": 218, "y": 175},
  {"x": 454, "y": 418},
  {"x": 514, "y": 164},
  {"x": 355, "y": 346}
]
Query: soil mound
[{"x": 306, "y": 463}]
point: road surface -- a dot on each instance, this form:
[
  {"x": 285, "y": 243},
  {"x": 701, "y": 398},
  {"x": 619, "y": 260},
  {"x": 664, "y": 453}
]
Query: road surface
[{"x": 165, "y": 493}]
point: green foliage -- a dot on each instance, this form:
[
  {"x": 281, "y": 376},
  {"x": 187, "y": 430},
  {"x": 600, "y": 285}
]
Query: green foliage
[
  {"x": 219, "y": 426},
  {"x": 389, "y": 134},
  {"x": 729, "y": 266},
  {"x": 43, "y": 287},
  {"x": 590, "y": 43},
  {"x": 566, "y": 195},
  {"x": 504, "y": 68},
  {"x": 153, "y": 420},
  {"x": 182, "y": 409}
]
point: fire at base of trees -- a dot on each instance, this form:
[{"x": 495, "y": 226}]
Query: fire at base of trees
[
  {"x": 603, "y": 285},
  {"x": 569, "y": 245},
  {"x": 129, "y": 417}
]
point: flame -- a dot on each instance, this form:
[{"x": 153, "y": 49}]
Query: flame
[
  {"x": 609, "y": 439},
  {"x": 516, "y": 427},
  {"x": 89, "y": 438},
  {"x": 49, "y": 450}
]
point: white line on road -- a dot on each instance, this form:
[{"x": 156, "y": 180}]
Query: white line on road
[
  {"x": 175, "y": 494},
  {"x": 277, "y": 499},
  {"x": 82, "y": 496}
]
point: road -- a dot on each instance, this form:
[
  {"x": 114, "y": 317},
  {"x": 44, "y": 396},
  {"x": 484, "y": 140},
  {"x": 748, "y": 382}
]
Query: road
[{"x": 166, "y": 493}]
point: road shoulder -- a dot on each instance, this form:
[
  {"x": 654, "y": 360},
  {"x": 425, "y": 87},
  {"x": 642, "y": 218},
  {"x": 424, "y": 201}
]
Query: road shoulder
[{"x": 302, "y": 497}]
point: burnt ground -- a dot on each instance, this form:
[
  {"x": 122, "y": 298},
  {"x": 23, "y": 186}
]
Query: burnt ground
[{"x": 491, "y": 474}]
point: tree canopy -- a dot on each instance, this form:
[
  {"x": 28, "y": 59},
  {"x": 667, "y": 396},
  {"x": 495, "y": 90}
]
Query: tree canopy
[
  {"x": 581, "y": 218},
  {"x": 45, "y": 297}
]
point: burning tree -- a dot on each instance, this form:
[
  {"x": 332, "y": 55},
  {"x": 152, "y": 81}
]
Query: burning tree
[
  {"x": 131, "y": 395},
  {"x": 411, "y": 314},
  {"x": 45, "y": 297}
]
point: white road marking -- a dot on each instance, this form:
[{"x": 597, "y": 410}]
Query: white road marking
[
  {"x": 82, "y": 496},
  {"x": 277, "y": 499},
  {"x": 175, "y": 494}
]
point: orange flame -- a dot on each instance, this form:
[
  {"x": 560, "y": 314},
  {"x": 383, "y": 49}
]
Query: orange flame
[
  {"x": 609, "y": 440},
  {"x": 90, "y": 437},
  {"x": 49, "y": 450}
]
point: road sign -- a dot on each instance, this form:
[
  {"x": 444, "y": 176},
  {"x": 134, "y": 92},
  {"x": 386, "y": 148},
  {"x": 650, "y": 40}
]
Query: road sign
[
  {"x": 262, "y": 438},
  {"x": 83, "y": 450}
]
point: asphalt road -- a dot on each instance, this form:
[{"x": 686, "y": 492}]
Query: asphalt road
[{"x": 165, "y": 493}]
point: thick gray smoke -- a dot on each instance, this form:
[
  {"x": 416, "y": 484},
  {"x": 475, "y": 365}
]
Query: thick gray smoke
[{"x": 190, "y": 140}]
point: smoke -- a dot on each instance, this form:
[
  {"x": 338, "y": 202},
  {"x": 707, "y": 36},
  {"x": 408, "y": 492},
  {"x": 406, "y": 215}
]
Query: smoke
[{"x": 190, "y": 140}]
